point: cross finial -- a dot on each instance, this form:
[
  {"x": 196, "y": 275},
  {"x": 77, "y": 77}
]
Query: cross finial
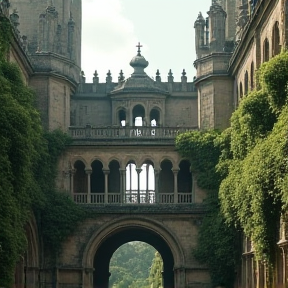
[{"x": 139, "y": 51}]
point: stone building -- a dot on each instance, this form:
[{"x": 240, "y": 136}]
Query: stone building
[
  {"x": 123, "y": 161},
  {"x": 226, "y": 73}
]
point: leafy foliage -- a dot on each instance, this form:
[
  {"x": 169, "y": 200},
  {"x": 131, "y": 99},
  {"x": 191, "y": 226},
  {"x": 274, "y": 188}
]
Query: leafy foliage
[
  {"x": 130, "y": 265},
  {"x": 20, "y": 137},
  {"x": 5, "y": 32},
  {"x": 251, "y": 165},
  {"x": 223, "y": 254},
  {"x": 199, "y": 147},
  {"x": 155, "y": 276},
  {"x": 216, "y": 241},
  {"x": 28, "y": 161},
  {"x": 251, "y": 121},
  {"x": 273, "y": 77}
]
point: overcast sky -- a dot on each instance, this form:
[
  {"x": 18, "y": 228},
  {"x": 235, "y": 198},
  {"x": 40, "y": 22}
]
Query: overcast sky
[{"x": 111, "y": 30}]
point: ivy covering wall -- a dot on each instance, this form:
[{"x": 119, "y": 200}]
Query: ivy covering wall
[
  {"x": 248, "y": 168},
  {"x": 28, "y": 167}
]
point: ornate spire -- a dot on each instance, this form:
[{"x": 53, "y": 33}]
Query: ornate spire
[
  {"x": 95, "y": 78},
  {"x": 121, "y": 76},
  {"x": 158, "y": 77},
  {"x": 170, "y": 76},
  {"x": 183, "y": 77},
  {"x": 109, "y": 77}
]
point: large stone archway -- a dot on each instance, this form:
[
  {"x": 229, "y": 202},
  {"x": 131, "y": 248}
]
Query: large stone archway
[{"x": 104, "y": 243}]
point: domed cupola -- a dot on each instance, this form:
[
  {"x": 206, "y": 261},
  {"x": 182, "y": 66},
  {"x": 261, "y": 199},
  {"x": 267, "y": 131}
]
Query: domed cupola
[
  {"x": 139, "y": 63},
  {"x": 139, "y": 81}
]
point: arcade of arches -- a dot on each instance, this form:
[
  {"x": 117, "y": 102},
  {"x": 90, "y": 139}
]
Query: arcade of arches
[{"x": 133, "y": 184}]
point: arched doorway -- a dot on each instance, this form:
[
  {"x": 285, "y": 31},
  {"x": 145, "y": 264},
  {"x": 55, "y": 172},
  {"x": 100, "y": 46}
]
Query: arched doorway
[
  {"x": 106, "y": 240},
  {"x": 114, "y": 241}
]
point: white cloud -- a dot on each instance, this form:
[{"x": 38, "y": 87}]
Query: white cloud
[{"x": 108, "y": 39}]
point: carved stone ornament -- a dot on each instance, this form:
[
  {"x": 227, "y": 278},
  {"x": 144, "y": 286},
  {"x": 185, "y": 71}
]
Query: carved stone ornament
[{"x": 4, "y": 7}]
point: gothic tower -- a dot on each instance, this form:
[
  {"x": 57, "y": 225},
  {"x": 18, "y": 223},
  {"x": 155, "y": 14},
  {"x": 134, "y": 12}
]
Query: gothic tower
[
  {"x": 214, "y": 44},
  {"x": 52, "y": 30}
]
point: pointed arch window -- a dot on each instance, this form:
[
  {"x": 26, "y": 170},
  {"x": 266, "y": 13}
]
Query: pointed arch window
[
  {"x": 241, "y": 90},
  {"x": 246, "y": 80},
  {"x": 252, "y": 75},
  {"x": 276, "y": 47},
  {"x": 266, "y": 50}
]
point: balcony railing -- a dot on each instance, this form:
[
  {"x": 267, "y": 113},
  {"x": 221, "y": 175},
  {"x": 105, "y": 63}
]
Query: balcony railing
[
  {"x": 116, "y": 133},
  {"x": 132, "y": 197}
]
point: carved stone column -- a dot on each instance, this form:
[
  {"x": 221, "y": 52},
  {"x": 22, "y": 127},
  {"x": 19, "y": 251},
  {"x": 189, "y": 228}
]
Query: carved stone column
[
  {"x": 193, "y": 179},
  {"x": 156, "y": 174},
  {"x": 122, "y": 185},
  {"x": 87, "y": 276},
  {"x": 175, "y": 172},
  {"x": 88, "y": 172},
  {"x": 72, "y": 173},
  {"x": 106, "y": 173},
  {"x": 138, "y": 170},
  {"x": 179, "y": 275}
]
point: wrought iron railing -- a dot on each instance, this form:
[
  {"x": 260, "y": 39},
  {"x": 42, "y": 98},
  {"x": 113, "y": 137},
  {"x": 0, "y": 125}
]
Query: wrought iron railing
[{"x": 89, "y": 132}]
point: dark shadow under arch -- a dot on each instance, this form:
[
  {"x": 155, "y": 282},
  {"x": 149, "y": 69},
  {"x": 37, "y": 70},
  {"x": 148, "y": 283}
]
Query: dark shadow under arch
[{"x": 114, "y": 241}]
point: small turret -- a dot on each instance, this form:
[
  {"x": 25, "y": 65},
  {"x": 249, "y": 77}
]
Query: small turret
[
  {"x": 199, "y": 26},
  {"x": 217, "y": 18}
]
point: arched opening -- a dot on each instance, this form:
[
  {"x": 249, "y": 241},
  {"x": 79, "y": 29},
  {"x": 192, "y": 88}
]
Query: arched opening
[
  {"x": 166, "y": 182},
  {"x": 266, "y": 50},
  {"x": 184, "y": 182},
  {"x": 97, "y": 178},
  {"x": 136, "y": 264},
  {"x": 276, "y": 47},
  {"x": 246, "y": 82},
  {"x": 140, "y": 183},
  {"x": 139, "y": 116},
  {"x": 184, "y": 177},
  {"x": 122, "y": 117},
  {"x": 79, "y": 178},
  {"x": 108, "y": 247},
  {"x": 114, "y": 182},
  {"x": 27, "y": 267},
  {"x": 241, "y": 90},
  {"x": 154, "y": 117},
  {"x": 252, "y": 75}
]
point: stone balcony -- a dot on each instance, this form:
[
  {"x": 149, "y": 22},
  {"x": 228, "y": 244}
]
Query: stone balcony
[
  {"x": 146, "y": 202},
  {"x": 100, "y": 135},
  {"x": 133, "y": 197}
]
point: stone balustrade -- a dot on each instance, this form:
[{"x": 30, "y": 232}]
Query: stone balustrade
[
  {"x": 133, "y": 198},
  {"x": 116, "y": 133}
]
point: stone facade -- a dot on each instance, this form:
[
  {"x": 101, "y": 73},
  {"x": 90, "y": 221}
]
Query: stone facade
[
  {"x": 259, "y": 34},
  {"x": 111, "y": 147}
]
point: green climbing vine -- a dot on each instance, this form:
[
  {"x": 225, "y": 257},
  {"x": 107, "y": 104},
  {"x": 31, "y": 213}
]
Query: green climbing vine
[
  {"x": 250, "y": 171},
  {"x": 6, "y": 33},
  {"x": 28, "y": 167},
  {"x": 203, "y": 148}
]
